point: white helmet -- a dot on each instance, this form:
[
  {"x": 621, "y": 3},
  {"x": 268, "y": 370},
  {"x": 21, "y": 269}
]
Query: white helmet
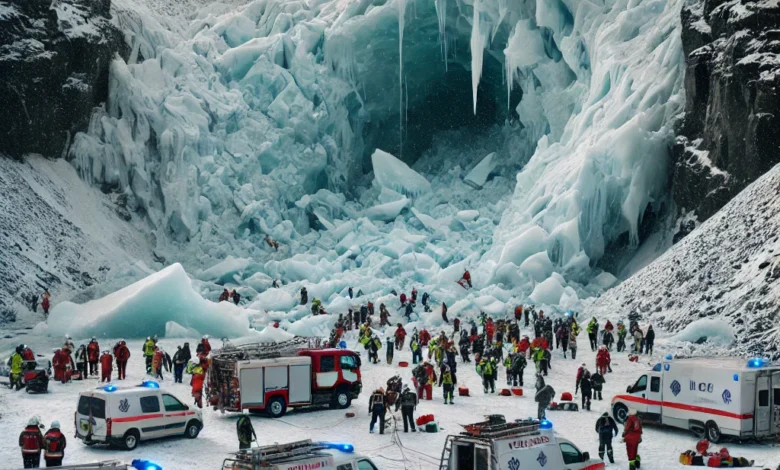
[
  {"x": 55, "y": 424},
  {"x": 205, "y": 336},
  {"x": 34, "y": 421},
  {"x": 67, "y": 336}
]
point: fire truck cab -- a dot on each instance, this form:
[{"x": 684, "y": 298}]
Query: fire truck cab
[{"x": 274, "y": 377}]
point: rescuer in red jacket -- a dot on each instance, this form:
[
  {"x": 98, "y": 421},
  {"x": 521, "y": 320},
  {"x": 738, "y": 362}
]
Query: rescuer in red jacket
[{"x": 31, "y": 443}]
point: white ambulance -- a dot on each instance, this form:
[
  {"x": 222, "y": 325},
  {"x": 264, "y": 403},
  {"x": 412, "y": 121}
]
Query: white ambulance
[
  {"x": 126, "y": 416},
  {"x": 300, "y": 455},
  {"x": 520, "y": 445},
  {"x": 710, "y": 396}
]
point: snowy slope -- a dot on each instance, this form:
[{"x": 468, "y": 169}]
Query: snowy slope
[
  {"x": 59, "y": 233},
  {"x": 726, "y": 269}
]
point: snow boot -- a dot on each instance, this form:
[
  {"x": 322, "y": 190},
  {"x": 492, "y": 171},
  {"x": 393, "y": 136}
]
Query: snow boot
[{"x": 610, "y": 456}]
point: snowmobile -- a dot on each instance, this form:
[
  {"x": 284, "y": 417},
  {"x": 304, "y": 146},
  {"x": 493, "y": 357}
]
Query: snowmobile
[{"x": 36, "y": 375}]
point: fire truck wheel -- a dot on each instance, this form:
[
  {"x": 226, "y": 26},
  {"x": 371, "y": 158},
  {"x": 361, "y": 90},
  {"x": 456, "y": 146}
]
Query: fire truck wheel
[
  {"x": 341, "y": 399},
  {"x": 713, "y": 432},
  {"x": 620, "y": 412},
  {"x": 276, "y": 407},
  {"x": 193, "y": 429},
  {"x": 130, "y": 441}
]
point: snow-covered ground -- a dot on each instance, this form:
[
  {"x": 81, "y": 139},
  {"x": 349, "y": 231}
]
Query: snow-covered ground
[{"x": 660, "y": 447}]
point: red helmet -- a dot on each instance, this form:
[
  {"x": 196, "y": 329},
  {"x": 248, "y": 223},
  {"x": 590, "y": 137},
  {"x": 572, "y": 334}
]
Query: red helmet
[{"x": 702, "y": 446}]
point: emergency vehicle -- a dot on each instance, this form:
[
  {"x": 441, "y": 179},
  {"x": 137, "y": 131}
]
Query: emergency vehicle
[
  {"x": 710, "y": 396},
  {"x": 300, "y": 455},
  {"x": 524, "y": 444},
  {"x": 275, "y": 376},
  {"x": 126, "y": 416}
]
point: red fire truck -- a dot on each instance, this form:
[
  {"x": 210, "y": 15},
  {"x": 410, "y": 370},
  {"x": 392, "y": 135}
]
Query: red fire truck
[{"x": 271, "y": 377}]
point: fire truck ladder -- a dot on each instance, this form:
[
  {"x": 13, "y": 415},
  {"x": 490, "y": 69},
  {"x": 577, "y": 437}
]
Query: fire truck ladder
[
  {"x": 444, "y": 463},
  {"x": 266, "y": 350},
  {"x": 499, "y": 430}
]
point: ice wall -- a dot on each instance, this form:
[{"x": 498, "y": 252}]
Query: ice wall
[{"x": 232, "y": 123}]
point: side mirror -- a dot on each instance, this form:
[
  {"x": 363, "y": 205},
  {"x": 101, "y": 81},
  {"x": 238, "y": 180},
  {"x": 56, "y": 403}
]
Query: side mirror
[
  {"x": 585, "y": 456},
  {"x": 628, "y": 389},
  {"x": 186, "y": 407}
]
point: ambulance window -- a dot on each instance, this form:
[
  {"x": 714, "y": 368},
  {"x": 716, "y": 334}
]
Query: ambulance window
[
  {"x": 482, "y": 458},
  {"x": 346, "y": 466},
  {"x": 91, "y": 406},
  {"x": 327, "y": 364},
  {"x": 172, "y": 404},
  {"x": 465, "y": 457},
  {"x": 763, "y": 398},
  {"x": 365, "y": 465},
  {"x": 777, "y": 397},
  {"x": 640, "y": 385},
  {"x": 150, "y": 404},
  {"x": 570, "y": 454},
  {"x": 348, "y": 362},
  {"x": 655, "y": 384}
]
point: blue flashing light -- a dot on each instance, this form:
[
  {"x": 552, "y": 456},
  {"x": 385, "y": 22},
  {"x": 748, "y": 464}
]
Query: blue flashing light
[
  {"x": 139, "y": 464},
  {"x": 341, "y": 447},
  {"x": 545, "y": 424},
  {"x": 150, "y": 384},
  {"x": 755, "y": 363},
  {"x": 342, "y": 344},
  {"x": 669, "y": 357},
  {"x": 657, "y": 367},
  {"x": 110, "y": 388},
  {"x": 568, "y": 314},
  {"x": 667, "y": 367},
  {"x": 736, "y": 377}
]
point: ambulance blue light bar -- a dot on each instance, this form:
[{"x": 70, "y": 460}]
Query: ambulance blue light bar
[
  {"x": 139, "y": 464},
  {"x": 341, "y": 447},
  {"x": 756, "y": 363},
  {"x": 669, "y": 357},
  {"x": 545, "y": 424},
  {"x": 150, "y": 384},
  {"x": 110, "y": 388}
]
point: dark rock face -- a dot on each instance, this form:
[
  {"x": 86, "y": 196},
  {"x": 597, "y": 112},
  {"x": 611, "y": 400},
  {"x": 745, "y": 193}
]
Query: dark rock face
[
  {"x": 54, "y": 57},
  {"x": 731, "y": 131}
]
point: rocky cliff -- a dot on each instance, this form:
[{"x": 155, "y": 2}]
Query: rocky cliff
[
  {"x": 732, "y": 85},
  {"x": 54, "y": 57}
]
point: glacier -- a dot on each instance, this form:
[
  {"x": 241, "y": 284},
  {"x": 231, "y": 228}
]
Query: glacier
[{"x": 515, "y": 139}]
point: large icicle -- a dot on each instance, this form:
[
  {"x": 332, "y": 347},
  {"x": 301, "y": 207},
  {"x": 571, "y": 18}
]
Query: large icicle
[
  {"x": 477, "y": 53},
  {"x": 401, "y": 24},
  {"x": 441, "y": 13}
]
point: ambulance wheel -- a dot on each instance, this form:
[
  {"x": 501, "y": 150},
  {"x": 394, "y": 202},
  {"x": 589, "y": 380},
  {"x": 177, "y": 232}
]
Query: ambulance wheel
[
  {"x": 192, "y": 430},
  {"x": 713, "y": 432},
  {"x": 620, "y": 412},
  {"x": 130, "y": 441},
  {"x": 341, "y": 399},
  {"x": 276, "y": 407}
]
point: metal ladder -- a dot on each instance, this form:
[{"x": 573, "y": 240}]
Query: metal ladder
[
  {"x": 444, "y": 463},
  {"x": 277, "y": 452},
  {"x": 266, "y": 350}
]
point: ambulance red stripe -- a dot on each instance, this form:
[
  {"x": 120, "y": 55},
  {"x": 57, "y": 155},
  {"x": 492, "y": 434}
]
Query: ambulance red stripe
[
  {"x": 681, "y": 406},
  {"x": 595, "y": 466},
  {"x": 137, "y": 418}
]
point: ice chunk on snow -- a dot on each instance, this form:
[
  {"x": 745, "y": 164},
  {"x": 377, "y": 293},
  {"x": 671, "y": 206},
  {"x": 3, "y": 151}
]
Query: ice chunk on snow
[
  {"x": 538, "y": 266},
  {"x": 225, "y": 271},
  {"x": 392, "y": 173},
  {"x": 144, "y": 309},
  {"x": 604, "y": 280},
  {"x": 273, "y": 299},
  {"x": 548, "y": 292},
  {"x": 524, "y": 245},
  {"x": 386, "y": 212},
  {"x": 478, "y": 176},
  {"x": 174, "y": 330},
  {"x": 271, "y": 334},
  {"x": 467, "y": 216},
  {"x": 716, "y": 331}
]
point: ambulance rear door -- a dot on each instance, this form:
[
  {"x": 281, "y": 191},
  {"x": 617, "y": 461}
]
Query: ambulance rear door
[
  {"x": 470, "y": 455},
  {"x": 763, "y": 413},
  {"x": 776, "y": 402}
]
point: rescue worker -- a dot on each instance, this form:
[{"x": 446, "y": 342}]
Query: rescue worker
[
  {"x": 390, "y": 349},
  {"x": 60, "y": 364},
  {"x": 465, "y": 280},
  {"x": 105, "y": 366},
  {"x": 490, "y": 330},
  {"x": 444, "y": 312},
  {"x": 93, "y": 354},
  {"x": 638, "y": 340},
  {"x": 16, "y": 369},
  {"x": 425, "y": 337},
  {"x": 304, "y": 296},
  {"x": 580, "y": 373},
  {"x": 562, "y": 335},
  {"x": 377, "y": 406},
  {"x": 607, "y": 339},
  {"x": 82, "y": 360},
  {"x": 485, "y": 369},
  {"x": 607, "y": 429},
  {"x": 384, "y": 316},
  {"x": 157, "y": 363},
  {"x": 597, "y": 381},
  {"x": 373, "y": 345},
  {"x": 46, "y": 303},
  {"x": 224, "y": 296},
  {"x": 408, "y": 311},
  {"x": 400, "y": 336},
  {"x": 204, "y": 347},
  {"x": 148, "y": 350},
  {"x": 508, "y": 366},
  {"x": 122, "y": 356},
  {"x": 198, "y": 376},
  {"x": 179, "y": 362},
  {"x": 649, "y": 340},
  {"x": 518, "y": 368},
  {"x": 235, "y": 296},
  {"x": 593, "y": 333},
  {"x": 316, "y": 305},
  {"x": 603, "y": 360},
  {"x": 464, "y": 344},
  {"x": 54, "y": 444},
  {"x": 632, "y": 435},
  {"x": 431, "y": 379},
  {"x": 573, "y": 344},
  {"x": 402, "y": 298},
  {"x": 69, "y": 345},
  {"x": 446, "y": 381},
  {"x": 424, "y": 302},
  {"x": 414, "y": 344},
  {"x": 245, "y": 431},
  {"x": 419, "y": 379},
  {"x": 544, "y": 396},
  {"x": 586, "y": 387},
  {"x": 621, "y": 334},
  {"x": 407, "y": 402},
  {"x": 31, "y": 443}
]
